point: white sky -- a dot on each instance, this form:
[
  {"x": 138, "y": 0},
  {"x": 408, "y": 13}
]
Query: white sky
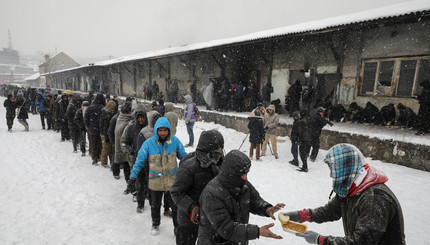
[{"x": 94, "y": 28}]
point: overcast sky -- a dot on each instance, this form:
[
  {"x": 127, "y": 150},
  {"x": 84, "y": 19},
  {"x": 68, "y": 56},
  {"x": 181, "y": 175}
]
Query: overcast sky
[{"x": 94, "y": 28}]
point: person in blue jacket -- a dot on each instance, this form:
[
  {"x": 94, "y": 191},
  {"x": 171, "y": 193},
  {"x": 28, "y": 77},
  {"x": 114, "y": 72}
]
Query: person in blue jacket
[
  {"x": 160, "y": 152},
  {"x": 40, "y": 99}
]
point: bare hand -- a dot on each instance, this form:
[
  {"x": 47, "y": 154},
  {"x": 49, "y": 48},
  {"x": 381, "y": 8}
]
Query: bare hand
[
  {"x": 266, "y": 232},
  {"x": 272, "y": 210},
  {"x": 195, "y": 215}
]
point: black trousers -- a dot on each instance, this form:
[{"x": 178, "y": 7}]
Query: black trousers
[
  {"x": 116, "y": 169},
  {"x": 304, "y": 149},
  {"x": 65, "y": 133},
  {"x": 187, "y": 235},
  {"x": 142, "y": 186},
  {"x": 82, "y": 140},
  {"x": 156, "y": 197},
  {"x": 315, "y": 144},
  {"x": 95, "y": 146},
  {"x": 42, "y": 118},
  {"x": 49, "y": 120},
  {"x": 9, "y": 121},
  {"x": 74, "y": 133}
]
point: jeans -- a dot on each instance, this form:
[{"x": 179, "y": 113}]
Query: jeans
[{"x": 190, "y": 126}]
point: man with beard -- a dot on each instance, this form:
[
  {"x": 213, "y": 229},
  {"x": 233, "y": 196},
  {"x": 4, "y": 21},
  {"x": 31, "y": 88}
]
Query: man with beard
[
  {"x": 161, "y": 151},
  {"x": 195, "y": 171},
  {"x": 226, "y": 202}
]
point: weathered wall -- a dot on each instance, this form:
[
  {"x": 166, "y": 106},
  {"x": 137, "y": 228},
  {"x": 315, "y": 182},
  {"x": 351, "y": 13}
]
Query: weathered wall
[{"x": 416, "y": 156}]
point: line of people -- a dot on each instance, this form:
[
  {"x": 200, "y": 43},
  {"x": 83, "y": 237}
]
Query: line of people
[{"x": 210, "y": 195}]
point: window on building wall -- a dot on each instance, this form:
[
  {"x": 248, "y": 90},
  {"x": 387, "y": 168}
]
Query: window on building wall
[{"x": 398, "y": 77}]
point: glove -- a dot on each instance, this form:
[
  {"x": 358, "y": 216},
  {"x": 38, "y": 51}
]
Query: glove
[
  {"x": 266, "y": 128},
  {"x": 131, "y": 186},
  {"x": 330, "y": 123},
  {"x": 294, "y": 216},
  {"x": 310, "y": 236}
]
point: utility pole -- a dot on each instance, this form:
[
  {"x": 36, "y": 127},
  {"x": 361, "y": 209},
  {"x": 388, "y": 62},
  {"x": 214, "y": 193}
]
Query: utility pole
[{"x": 10, "y": 39}]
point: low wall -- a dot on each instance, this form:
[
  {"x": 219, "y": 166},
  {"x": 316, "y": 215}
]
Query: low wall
[{"x": 415, "y": 155}]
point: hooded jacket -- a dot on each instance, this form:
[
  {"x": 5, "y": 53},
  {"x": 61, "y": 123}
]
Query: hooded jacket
[
  {"x": 161, "y": 158},
  {"x": 130, "y": 140},
  {"x": 271, "y": 120},
  {"x": 39, "y": 102},
  {"x": 92, "y": 115},
  {"x": 70, "y": 115},
  {"x": 106, "y": 114},
  {"x": 172, "y": 117},
  {"x": 189, "y": 115},
  {"x": 195, "y": 171},
  {"x": 370, "y": 212},
  {"x": 226, "y": 202},
  {"x": 121, "y": 123}
]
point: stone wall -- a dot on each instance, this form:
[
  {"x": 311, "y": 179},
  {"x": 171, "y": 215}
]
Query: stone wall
[{"x": 416, "y": 156}]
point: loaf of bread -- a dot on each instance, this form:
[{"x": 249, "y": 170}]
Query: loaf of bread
[{"x": 291, "y": 225}]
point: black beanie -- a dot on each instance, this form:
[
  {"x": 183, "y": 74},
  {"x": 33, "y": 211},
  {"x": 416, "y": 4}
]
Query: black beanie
[
  {"x": 210, "y": 140},
  {"x": 235, "y": 163}
]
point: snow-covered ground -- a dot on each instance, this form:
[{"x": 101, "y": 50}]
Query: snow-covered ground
[{"x": 53, "y": 196}]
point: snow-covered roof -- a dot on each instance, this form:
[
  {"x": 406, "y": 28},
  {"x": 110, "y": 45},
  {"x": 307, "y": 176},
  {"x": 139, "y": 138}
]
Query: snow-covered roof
[
  {"x": 368, "y": 15},
  {"x": 33, "y": 77}
]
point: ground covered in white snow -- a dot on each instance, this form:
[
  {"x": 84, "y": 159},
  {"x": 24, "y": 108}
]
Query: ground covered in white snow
[{"x": 53, "y": 196}]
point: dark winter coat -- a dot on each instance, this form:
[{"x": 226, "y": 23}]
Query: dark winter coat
[
  {"x": 189, "y": 183},
  {"x": 226, "y": 202},
  {"x": 111, "y": 129},
  {"x": 304, "y": 130},
  {"x": 317, "y": 123},
  {"x": 356, "y": 113},
  {"x": 256, "y": 130},
  {"x": 373, "y": 216},
  {"x": 62, "y": 109},
  {"x": 294, "y": 136},
  {"x": 48, "y": 106},
  {"x": 70, "y": 116},
  {"x": 92, "y": 115},
  {"x": 105, "y": 116},
  {"x": 20, "y": 102},
  {"x": 338, "y": 113},
  {"x": 79, "y": 120},
  {"x": 371, "y": 114},
  {"x": 294, "y": 91},
  {"x": 10, "y": 108},
  {"x": 161, "y": 109},
  {"x": 266, "y": 91},
  {"x": 155, "y": 90},
  {"x": 388, "y": 114},
  {"x": 407, "y": 116},
  {"x": 130, "y": 141}
]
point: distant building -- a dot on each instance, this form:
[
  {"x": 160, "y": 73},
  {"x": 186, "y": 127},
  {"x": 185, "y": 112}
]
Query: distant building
[{"x": 60, "y": 61}]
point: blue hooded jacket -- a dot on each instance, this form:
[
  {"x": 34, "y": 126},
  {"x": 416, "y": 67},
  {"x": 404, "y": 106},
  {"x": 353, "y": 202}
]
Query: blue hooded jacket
[
  {"x": 39, "y": 103},
  {"x": 161, "y": 158}
]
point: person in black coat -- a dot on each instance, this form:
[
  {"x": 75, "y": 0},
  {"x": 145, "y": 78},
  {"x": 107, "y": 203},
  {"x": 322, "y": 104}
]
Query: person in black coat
[
  {"x": 294, "y": 137},
  {"x": 407, "y": 116},
  {"x": 256, "y": 134},
  {"x": 79, "y": 119},
  {"x": 226, "y": 202},
  {"x": 338, "y": 113},
  {"x": 317, "y": 122},
  {"x": 22, "y": 113},
  {"x": 10, "y": 106},
  {"x": 92, "y": 123},
  {"x": 63, "y": 103},
  {"x": 196, "y": 169},
  {"x": 155, "y": 90},
  {"x": 355, "y": 114},
  {"x": 294, "y": 93},
  {"x": 423, "y": 117},
  {"x": 160, "y": 108},
  {"x": 388, "y": 114},
  {"x": 73, "y": 106},
  {"x": 48, "y": 106},
  {"x": 224, "y": 99},
  {"x": 130, "y": 141},
  {"x": 371, "y": 114},
  {"x": 266, "y": 91},
  {"x": 304, "y": 139},
  {"x": 252, "y": 93}
]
